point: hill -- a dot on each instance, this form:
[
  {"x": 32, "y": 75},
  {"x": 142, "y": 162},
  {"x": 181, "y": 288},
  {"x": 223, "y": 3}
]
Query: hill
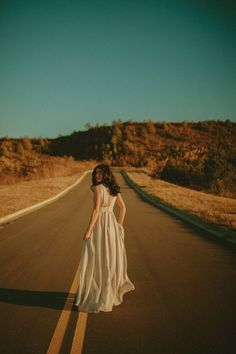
[
  {"x": 27, "y": 159},
  {"x": 199, "y": 155}
]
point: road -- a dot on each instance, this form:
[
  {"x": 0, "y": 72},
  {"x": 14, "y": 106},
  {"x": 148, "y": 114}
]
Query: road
[{"x": 185, "y": 289}]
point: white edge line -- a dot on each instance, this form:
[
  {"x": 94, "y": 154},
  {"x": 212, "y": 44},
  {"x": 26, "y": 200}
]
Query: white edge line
[{"x": 31, "y": 208}]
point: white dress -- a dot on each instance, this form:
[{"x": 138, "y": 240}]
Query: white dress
[{"x": 103, "y": 278}]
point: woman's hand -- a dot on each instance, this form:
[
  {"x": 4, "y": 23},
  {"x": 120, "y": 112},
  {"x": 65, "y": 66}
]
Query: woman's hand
[
  {"x": 121, "y": 225},
  {"x": 87, "y": 235}
]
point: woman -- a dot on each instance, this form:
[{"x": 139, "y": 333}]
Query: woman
[{"x": 103, "y": 278}]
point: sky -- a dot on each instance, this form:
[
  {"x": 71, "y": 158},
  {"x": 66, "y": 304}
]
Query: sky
[{"x": 66, "y": 63}]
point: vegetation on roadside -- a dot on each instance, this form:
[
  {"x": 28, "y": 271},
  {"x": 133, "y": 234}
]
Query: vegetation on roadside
[
  {"x": 18, "y": 196},
  {"x": 218, "y": 210}
]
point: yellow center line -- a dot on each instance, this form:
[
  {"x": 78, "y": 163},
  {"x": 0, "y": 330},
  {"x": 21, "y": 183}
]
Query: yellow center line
[
  {"x": 58, "y": 335},
  {"x": 78, "y": 340}
]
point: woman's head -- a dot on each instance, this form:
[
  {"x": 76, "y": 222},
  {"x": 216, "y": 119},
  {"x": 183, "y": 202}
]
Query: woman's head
[{"x": 103, "y": 174}]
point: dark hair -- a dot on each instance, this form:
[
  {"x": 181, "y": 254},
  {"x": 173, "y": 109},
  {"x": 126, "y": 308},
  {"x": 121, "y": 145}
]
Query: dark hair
[{"x": 108, "y": 179}]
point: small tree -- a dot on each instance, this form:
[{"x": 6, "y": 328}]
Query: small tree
[
  {"x": 88, "y": 126},
  {"x": 3, "y": 150},
  {"x": 117, "y": 121},
  {"x": 150, "y": 127},
  {"x": 127, "y": 133},
  {"x": 41, "y": 142},
  {"x": 26, "y": 142},
  {"x": 21, "y": 151}
]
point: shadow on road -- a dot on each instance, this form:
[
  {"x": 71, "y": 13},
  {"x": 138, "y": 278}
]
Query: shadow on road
[{"x": 49, "y": 299}]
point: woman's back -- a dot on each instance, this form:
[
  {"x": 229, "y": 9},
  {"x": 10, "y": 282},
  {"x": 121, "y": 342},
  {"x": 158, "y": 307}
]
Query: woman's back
[{"x": 107, "y": 200}]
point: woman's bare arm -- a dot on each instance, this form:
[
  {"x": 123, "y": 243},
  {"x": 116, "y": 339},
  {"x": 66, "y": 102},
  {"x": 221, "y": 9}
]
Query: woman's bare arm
[
  {"x": 95, "y": 213},
  {"x": 122, "y": 208}
]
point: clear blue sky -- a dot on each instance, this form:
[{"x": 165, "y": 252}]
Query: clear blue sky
[{"x": 65, "y": 63}]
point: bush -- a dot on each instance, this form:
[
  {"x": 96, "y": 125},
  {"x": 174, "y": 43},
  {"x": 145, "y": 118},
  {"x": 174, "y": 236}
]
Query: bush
[
  {"x": 220, "y": 174},
  {"x": 183, "y": 172}
]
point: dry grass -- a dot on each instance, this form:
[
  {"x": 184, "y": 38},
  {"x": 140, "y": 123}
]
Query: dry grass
[
  {"x": 218, "y": 210},
  {"x": 23, "y": 194}
]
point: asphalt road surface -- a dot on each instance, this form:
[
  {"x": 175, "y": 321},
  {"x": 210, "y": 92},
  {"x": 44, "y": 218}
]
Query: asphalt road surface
[{"x": 185, "y": 283}]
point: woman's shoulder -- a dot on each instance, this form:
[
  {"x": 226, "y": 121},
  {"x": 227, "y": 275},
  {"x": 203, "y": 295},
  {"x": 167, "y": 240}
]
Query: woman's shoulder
[
  {"x": 98, "y": 186},
  {"x": 97, "y": 189},
  {"x": 101, "y": 185},
  {"x": 104, "y": 187}
]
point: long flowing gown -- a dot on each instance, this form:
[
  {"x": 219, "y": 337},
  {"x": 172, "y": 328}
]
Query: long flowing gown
[{"x": 103, "y": 278}]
